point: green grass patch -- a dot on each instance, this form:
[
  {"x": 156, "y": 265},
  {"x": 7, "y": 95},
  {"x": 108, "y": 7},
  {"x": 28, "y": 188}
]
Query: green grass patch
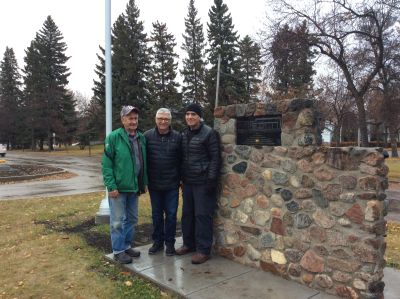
[
  {"x": 50, "y": 248},
  {"x": 392, "y": 254},
  {"x": 95, "y": 150},
  {"x": 394, "y": 168}
]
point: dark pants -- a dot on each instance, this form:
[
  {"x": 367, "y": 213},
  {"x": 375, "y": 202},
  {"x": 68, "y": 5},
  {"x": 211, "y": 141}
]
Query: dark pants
[
  {"x": 197, "y": 217},
  {"x": 164, "y": 202}
]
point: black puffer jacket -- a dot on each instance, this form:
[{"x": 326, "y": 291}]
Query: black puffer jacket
[
  {"x": 163, "y": 159},
  {"x": 201, "y": 155}
]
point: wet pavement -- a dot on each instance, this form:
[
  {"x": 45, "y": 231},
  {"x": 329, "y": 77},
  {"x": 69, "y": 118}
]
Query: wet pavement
[
  {"x": 87, "y": 169},
  {"x": 222, "y": 278},
  {"x": 394, "y": 206}
]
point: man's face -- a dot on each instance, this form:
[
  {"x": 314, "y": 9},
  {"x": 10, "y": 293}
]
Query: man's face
[
  {"x": 192, "y": 119},
  {"x": 163, "y": 121},
  {"x": 130, "y": 122}
]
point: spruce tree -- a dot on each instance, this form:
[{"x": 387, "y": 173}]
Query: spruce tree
[
  {"x": 11, "y": 119},
  {"x": 130, "y": 61},
  {"x": 96, "y": 122},
  {"x": 193, "y": 70},
  {"x": 34, "y": 83},
  {"x": 292, "y": 60},
  {"x": 223, "y": 40},
  {"x": 164, "y": 68},
  {"x": 130, "y": 66},
  {"x": 48, "y": 58},
  {"x": 250, "y": 66}
]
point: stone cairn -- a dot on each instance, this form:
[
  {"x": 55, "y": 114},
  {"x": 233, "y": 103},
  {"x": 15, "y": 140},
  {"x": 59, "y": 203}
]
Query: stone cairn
[{"x": 308, "y": 213}]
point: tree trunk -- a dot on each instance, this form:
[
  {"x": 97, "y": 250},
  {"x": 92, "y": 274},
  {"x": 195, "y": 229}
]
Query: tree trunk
[
  {"x": 362, "y": 122},
  {"x": 33, "y": 144},
  {"x": 393, "y": 141}
]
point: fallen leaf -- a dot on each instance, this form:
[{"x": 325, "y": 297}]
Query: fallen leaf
[
  {"x": 125, "y": 273},
  {"x": 163, "y": 294},
  {"x": 128, "y": 283},
  {"x": 21, "y": 283}
]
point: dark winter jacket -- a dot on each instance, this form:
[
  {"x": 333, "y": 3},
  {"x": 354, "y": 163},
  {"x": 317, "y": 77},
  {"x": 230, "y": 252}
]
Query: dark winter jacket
[
  {"x": 163, "y": 159},
  {"x": 201, "y": 155}
]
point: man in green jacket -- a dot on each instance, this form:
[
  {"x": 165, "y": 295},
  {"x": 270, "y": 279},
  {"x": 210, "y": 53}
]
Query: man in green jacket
[{"x": 125, "y": 177}]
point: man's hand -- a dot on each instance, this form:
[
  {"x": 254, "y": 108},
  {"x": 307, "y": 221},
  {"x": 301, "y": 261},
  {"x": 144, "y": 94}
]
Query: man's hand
[
  {"x": 211, "y": 187},
  {"x": 113, "y": 194}
]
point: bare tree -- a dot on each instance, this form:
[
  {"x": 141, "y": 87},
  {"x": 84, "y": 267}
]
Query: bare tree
[
  {"x": 334, "y": 101},
  {"x": 338, "y": 31}
]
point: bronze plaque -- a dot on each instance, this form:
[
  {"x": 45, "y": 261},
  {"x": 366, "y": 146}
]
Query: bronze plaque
[{"x": 264, "y": 130}]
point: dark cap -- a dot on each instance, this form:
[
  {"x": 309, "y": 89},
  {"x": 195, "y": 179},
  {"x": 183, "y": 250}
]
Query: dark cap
[
  {"x": 128, "y": 109},
  {"x": 196, "y": 108}
]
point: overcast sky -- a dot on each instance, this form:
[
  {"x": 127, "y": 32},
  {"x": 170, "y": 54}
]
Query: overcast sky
[{"x": 82, "y": 25}]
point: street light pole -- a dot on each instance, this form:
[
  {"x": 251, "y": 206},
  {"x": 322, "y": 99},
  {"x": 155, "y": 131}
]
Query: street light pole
[
  {"x": 217, "y": 89},
  {"x": 103, "y": 215}
]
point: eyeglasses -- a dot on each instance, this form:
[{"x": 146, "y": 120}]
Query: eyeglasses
[{"x": 162, "y": 119}]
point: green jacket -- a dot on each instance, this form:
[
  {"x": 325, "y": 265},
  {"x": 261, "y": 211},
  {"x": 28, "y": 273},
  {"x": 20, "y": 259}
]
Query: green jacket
[{"x": 117, "y": 163}]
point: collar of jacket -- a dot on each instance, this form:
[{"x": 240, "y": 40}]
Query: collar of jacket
[
  {"x": 158, "y": 133},
  {"x": 124, "y": 134},
  {"x": 195, "y": 131}
]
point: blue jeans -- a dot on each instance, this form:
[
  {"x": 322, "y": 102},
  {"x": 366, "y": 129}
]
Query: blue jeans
[
  {"x": 123, "y": 218},
  {"x": 164, "y": 202}
]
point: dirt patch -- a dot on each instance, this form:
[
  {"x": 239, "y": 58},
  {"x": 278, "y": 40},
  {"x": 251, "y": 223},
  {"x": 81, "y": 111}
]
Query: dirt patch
[
  {"x": 101, "y": 240},
  {"x": 24, "y": 170},
  {"x": 11, "y": 174}
]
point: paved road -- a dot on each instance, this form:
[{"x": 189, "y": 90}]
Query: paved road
[{"x": 88, "y": 179}]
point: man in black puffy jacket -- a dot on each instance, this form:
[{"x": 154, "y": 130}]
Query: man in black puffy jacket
[
  {"x": 163, "y": 160},
  {"x": 200, "y": 171}
]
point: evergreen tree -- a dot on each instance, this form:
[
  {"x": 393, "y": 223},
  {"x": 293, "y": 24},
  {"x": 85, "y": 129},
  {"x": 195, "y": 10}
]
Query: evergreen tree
[
  {"x": 250, "y": 66},
  {"x": 46, "y": 55},
  {"x": 292, "y": 59},
  {"x": 10, "y": 99},
  {"x": 163, "y": 69},
  {"x": 223, "y": 40},
  {"x": 193, "y": 70},
  {"x": 130, "y": 61},
  {"x": 34, "y": 83},
  {"x": 96, "y": 122},
  {"x": 130, "y": 65}
]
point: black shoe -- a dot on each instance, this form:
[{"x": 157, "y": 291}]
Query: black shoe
[
  {"x": 132, "y": 252},
  {"x": 156, "y": 248},
  {"x": 170, "y": 251},
  {"x": 122, "y": 258}
]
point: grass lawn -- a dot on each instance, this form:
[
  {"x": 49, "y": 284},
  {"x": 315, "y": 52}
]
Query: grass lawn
[
  {"x": 392, "y": 254},
  {"x": 50, "y": 248},
  {"x": 95, "y": 150},
  {"x": 394, "y": 168}
]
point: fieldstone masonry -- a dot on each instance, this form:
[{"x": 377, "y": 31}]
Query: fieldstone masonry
[{"x": 307, "y": 213}]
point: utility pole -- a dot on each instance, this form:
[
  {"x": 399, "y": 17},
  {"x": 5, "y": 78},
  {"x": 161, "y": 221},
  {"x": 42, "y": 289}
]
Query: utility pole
[
  {"x": 217, "y": 89},
  {"x": 103, "y": 215}
]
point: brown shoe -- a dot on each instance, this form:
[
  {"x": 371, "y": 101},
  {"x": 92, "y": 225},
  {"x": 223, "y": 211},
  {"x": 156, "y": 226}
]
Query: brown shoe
[
  {"x": 183, "y": 250},
  {"x": 199, "y": 258}
]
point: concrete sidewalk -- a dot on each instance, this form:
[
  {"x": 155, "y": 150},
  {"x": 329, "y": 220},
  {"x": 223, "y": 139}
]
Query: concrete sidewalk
[{"x": 222, "y": 278}]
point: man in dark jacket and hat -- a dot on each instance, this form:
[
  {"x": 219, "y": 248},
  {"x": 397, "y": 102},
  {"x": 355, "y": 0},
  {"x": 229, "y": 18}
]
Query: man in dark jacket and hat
[{"x": 200, "y": 171}]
